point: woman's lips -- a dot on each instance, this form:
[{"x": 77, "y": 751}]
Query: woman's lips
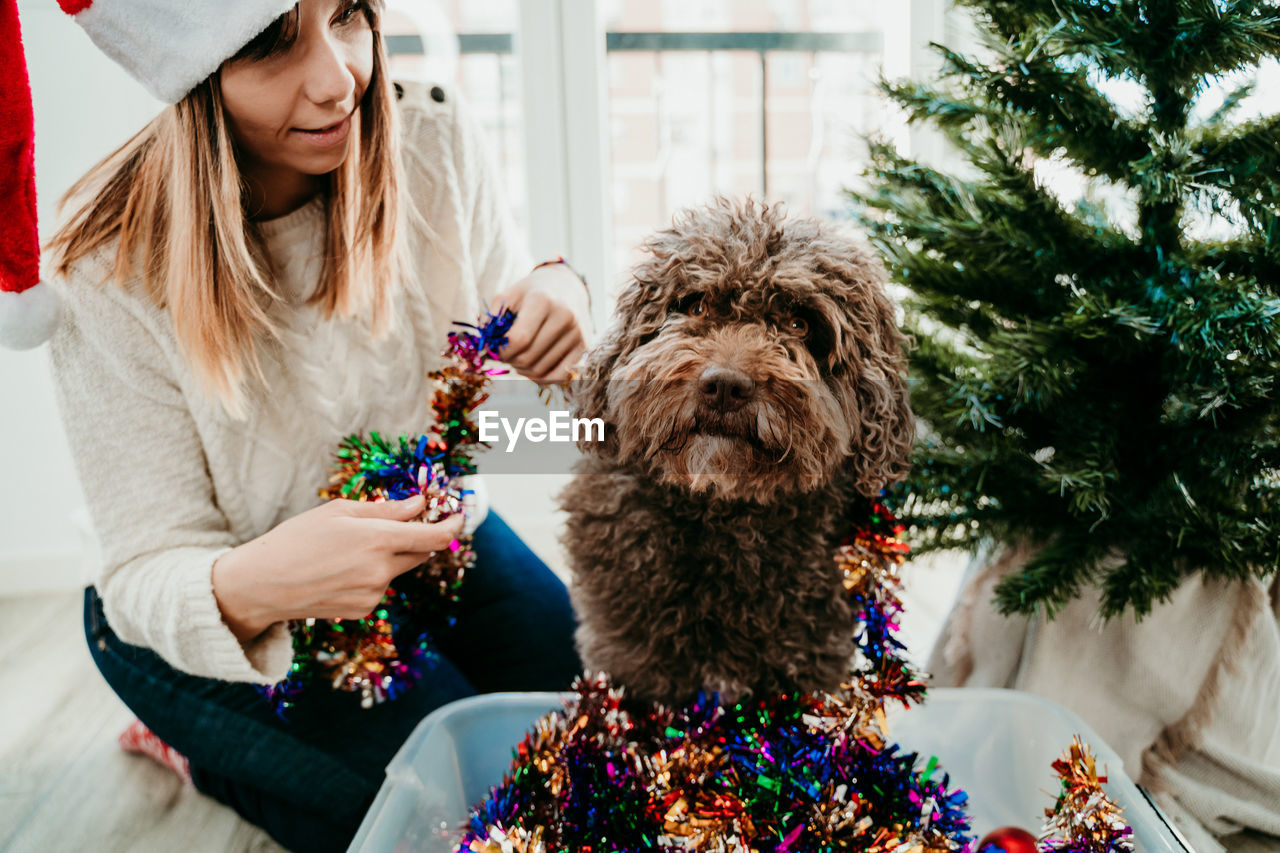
[{"x": 326, "y": 137}]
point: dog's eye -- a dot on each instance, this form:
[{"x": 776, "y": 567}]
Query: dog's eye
[
  {"x": 698, "y": 309},
  {"x": 798, "y": 326}
]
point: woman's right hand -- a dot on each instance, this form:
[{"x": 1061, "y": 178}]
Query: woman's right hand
[{"x": 331, "y": 562}]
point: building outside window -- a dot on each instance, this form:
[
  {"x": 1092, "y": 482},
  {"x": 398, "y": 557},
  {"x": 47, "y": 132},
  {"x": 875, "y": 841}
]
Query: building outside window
[{"x": 771, "y": 98}]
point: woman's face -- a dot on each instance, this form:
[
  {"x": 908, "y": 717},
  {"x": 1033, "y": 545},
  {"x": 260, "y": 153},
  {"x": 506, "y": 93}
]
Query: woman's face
[{"x": 293, "y": 109}]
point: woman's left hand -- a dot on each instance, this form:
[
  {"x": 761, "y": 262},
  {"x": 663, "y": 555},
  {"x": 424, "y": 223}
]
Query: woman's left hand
[{"x": 549, "y": 335}]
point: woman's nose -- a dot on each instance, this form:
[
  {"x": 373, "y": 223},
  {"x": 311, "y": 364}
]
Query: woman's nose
[{"x": 325, "y": 75}]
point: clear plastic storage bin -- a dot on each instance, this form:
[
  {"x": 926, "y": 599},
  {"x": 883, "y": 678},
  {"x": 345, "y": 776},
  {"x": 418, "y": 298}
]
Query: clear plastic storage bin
[{"x": 997, "y": 744}]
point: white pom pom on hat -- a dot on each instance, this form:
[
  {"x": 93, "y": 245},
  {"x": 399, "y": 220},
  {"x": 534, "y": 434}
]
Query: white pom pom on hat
[
  {"x": 28, "y": 317},
  {"x": 168, "y": 46}
]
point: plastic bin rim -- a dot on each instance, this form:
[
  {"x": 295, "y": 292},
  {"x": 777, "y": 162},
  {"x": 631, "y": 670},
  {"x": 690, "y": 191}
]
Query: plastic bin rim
[
  {"x": 937, "y": 695},
  {"x": 550, "y": 701}
]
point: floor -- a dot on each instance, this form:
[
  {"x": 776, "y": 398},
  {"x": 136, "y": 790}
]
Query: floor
[{"x": 66, "y": 785}]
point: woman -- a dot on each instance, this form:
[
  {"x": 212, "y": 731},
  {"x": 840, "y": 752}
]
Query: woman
[{"x": 270, "y": 265}]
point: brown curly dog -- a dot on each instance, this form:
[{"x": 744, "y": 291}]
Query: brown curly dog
[{"x": 754, "y": 397}]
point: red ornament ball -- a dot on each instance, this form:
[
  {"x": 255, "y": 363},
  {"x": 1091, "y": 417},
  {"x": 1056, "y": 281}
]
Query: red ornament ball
[{"x": 1008, "y": 839}]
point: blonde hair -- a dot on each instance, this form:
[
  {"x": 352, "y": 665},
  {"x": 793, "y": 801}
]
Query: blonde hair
[{"x": 174, "y": 199}]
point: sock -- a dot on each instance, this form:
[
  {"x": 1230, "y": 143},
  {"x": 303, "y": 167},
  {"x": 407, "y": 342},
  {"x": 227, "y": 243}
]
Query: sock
[{"x": 137, "y": 738}]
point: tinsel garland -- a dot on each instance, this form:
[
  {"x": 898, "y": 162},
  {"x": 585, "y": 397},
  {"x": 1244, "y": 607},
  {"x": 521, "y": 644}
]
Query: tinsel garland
[
  {"x": 868, "y": 563},
  {"x": 384, "y": 653},
  {"x": 1083, "y": 819},
  {"x": 789, "y": 773}
]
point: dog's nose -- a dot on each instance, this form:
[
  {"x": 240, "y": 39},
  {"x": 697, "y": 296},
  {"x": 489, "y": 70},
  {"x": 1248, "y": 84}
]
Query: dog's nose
[{"x": 725, "y": 389}]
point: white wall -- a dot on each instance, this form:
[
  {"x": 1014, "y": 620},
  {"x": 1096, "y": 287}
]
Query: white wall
[{"x": 85, "y": 106}]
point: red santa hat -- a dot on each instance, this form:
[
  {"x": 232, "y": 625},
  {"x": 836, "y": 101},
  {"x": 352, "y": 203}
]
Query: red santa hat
[{"x": 169, "y": 46}]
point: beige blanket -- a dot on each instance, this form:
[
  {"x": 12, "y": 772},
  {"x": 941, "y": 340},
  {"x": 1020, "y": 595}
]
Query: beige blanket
[{"x": 1189, "y": 697}]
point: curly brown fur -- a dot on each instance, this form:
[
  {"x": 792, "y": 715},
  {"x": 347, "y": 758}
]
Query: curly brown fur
[{"x": 754, "y": 397}]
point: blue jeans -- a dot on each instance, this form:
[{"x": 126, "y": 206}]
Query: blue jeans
[{"x": 309, "y": 779}]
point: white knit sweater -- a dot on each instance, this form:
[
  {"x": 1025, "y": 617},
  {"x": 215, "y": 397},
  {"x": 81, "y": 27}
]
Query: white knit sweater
[{"x": 172, "y": 482}]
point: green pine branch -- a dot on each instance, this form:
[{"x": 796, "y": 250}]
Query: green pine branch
[
  {"x": 1093, "y": 378},
  {"x": 1053, "y": 107}
]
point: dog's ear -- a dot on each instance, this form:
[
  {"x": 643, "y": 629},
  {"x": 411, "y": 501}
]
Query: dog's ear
[
  {"x": 588, "y": 391},
  {"x": 638, "y": 317},
  {"x": 869, "y": 358},
  {"x": 882, "y": 427}
]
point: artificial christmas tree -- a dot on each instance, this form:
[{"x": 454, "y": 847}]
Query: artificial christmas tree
[{"x": 1097, "y": 376}]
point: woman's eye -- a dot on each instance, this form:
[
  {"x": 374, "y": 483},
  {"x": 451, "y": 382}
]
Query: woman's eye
[
  {"x": 349, "y": 13},
  {"x": 798, "y": 326}
]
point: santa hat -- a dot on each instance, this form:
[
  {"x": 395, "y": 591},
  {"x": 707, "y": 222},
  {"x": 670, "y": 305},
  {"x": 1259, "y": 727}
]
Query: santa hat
[{"x": 169, "y": 46}]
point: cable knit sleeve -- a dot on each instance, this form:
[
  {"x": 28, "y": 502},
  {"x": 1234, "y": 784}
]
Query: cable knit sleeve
[
  {"x": 498, "y": 250},
  {"x": 142, "y": 465}
]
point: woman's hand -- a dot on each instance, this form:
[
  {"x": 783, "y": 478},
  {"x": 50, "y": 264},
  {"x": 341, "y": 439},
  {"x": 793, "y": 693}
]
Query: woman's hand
[
  {"x": 552, "y": 318},
  {"x": 331, "y": 562}
]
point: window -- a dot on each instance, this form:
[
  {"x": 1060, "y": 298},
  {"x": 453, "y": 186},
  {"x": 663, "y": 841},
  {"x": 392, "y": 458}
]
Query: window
[
  {"x": 472, "y": 46},
  {"x": 711, "y": 97},
  {"x": 610, "y": 115}
]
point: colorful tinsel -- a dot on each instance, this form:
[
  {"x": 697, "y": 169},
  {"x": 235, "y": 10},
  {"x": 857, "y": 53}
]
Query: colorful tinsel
[
  {"x": 384, "y": 653},
  {"x": 1083, "y": 819},
  {"x": 868, "y": 563},
  {"x": 786, "y": 773}
]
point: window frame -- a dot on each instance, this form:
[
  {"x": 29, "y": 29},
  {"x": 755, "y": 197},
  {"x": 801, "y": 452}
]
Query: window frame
[{"x": 561, "y": 47}]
